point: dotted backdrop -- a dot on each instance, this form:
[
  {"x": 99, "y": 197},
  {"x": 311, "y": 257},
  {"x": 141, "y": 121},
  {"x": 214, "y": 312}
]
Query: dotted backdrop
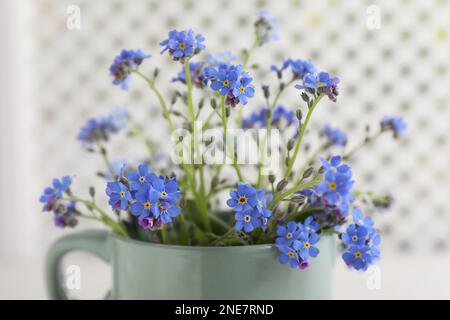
[{"x": 401, "y": 68}]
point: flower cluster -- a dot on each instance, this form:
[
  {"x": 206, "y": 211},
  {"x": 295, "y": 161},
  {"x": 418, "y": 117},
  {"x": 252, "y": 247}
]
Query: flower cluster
[
  {"x": 250, "y": 207},
  {"x": 276, "y": 208},
  {"x": 64, "y": 211},
  {"x": 396, "y": 124},
  {"x": 259, "y": 119},
  {"x": 230, "y": 81},
  {"x": 361, "y": 241},
  {"x": 299, "y": 68},
  {"x": 296, "y": 242},
  {"x": 335, "y": 188},
  {"x": 183, "y": 44},
  {"x": 100, "y": 128},
  {"x": 266, "y": 28},
  {"x": 124, "y": 64},
  {"x": 334, "y": 136},
  {"x": 323, "y": 82},
  {"x": 151, "y": 198}
]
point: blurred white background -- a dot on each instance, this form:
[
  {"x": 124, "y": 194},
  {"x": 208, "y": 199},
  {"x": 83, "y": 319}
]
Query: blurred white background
[{"x": 53, "y": 78}]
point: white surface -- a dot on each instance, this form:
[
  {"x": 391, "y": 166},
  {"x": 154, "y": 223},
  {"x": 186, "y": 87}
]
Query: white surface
[{"x": 402, "y": 277}]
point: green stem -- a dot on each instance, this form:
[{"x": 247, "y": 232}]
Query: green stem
[
  {"x": 203, "y": 206},
  {"x": 364, "y": 142},
  {"x": 160, "y": 98},
  {"x": 225, "y": 130},
  {"x": 117, "y": 227},
  {"x": 190, "y": 175},
  {"x": 310, "y": 159},
  {"x": 300, "y": 138},
  {"x": 268, "y": 128},
  {"x": 281, "y": 196},
  {"x": 245, "y": 65}
]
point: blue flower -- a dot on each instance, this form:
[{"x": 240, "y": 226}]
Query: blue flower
[
  {"x": 318, "y": 80},
  {"x": 373, "y": 241},
  {"x": 300, "y": 68},
  {"x": 124, "y": 64},
  {"x": 230, "y": 81},
  {"x": 335, "y": 136},
  {"x": 100, "y": 128},
  {"x": 224, "y": 78},
  {"x": 183, "y": 44},
  {"x": 300, "y": 239},
  {"x": 247, "y": 220},
  {"x": 243, "y": 89},
  {"x": 165, "y": 190},
  {"x": 310, "y": 225},
  {"x": 305, "y": 245},
  {"x": 53, "y": 193},
  {"x": 360, "y": 220},
  {"x": 286, "y": 235},
  {"x": 145, "y": 203},
  {"x": 358, "y": 257},
  {"x": 355, "y": 235},
  {"x": 141, "y": 179},
  {"x": 396, "y": 124},
  {"x": 250, "y": 207},
  {"x": 166, "y": 211},
  {"x": 266, "y": 27},
  {"x": 119, "y": 195},
  {"x": 243, "y": 199},
  {"x": 288, "y": 255},
  {"x": 323, "y": 82},
  {"x": 337, "y": 184},
  {"x": 362, "y": 242}
]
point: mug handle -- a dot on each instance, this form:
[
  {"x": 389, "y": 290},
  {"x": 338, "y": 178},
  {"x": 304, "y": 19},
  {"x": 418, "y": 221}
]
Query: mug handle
[{"x": 95, "y": 242}]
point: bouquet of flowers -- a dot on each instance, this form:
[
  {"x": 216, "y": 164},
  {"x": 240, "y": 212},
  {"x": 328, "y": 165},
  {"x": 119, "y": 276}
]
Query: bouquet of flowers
[{"x": 277, "y": 201}]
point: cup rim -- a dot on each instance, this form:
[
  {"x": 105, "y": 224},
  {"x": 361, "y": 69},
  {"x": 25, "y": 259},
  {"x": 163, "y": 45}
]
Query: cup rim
[{"x": 243, "y": 248}]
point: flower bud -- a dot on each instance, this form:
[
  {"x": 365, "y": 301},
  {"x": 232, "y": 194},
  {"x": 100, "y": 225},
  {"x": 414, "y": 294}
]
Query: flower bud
[{"x": 281, "y": 185}]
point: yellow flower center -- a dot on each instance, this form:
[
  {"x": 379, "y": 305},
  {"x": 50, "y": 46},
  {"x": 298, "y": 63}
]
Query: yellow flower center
[
  {"x": 354, "y": 238},
  {"x": 289, "y": 235},
  {"x": 182, "y": 45},
  {"x": 306, "y": 245},
  {"x": 241, "y": 89},
  {"x": 247, "y": 218},
  {"x": 319, "y": 84},
  {"x": 147, "y": 205},
  {"x": 332, "y": 186},
  {"x": 141, "y": 179},
  {"x": 226, "y": 83},
  {"x": 55, "y": 190},
  {"x": 260, "y": 203},
  {"x": 358, "y": 254},
  {"x": 122, "y": 194},
  {"x": 164, "y": 209},
  {"x": 163, "y": 194},
  {"x": 242, "y": 199},
  {"x": 291, "y": 254}
]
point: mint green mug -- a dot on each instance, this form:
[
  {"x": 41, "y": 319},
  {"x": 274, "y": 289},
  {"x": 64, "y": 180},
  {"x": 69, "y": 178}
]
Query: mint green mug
[{"x": 144, "y": 270}]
